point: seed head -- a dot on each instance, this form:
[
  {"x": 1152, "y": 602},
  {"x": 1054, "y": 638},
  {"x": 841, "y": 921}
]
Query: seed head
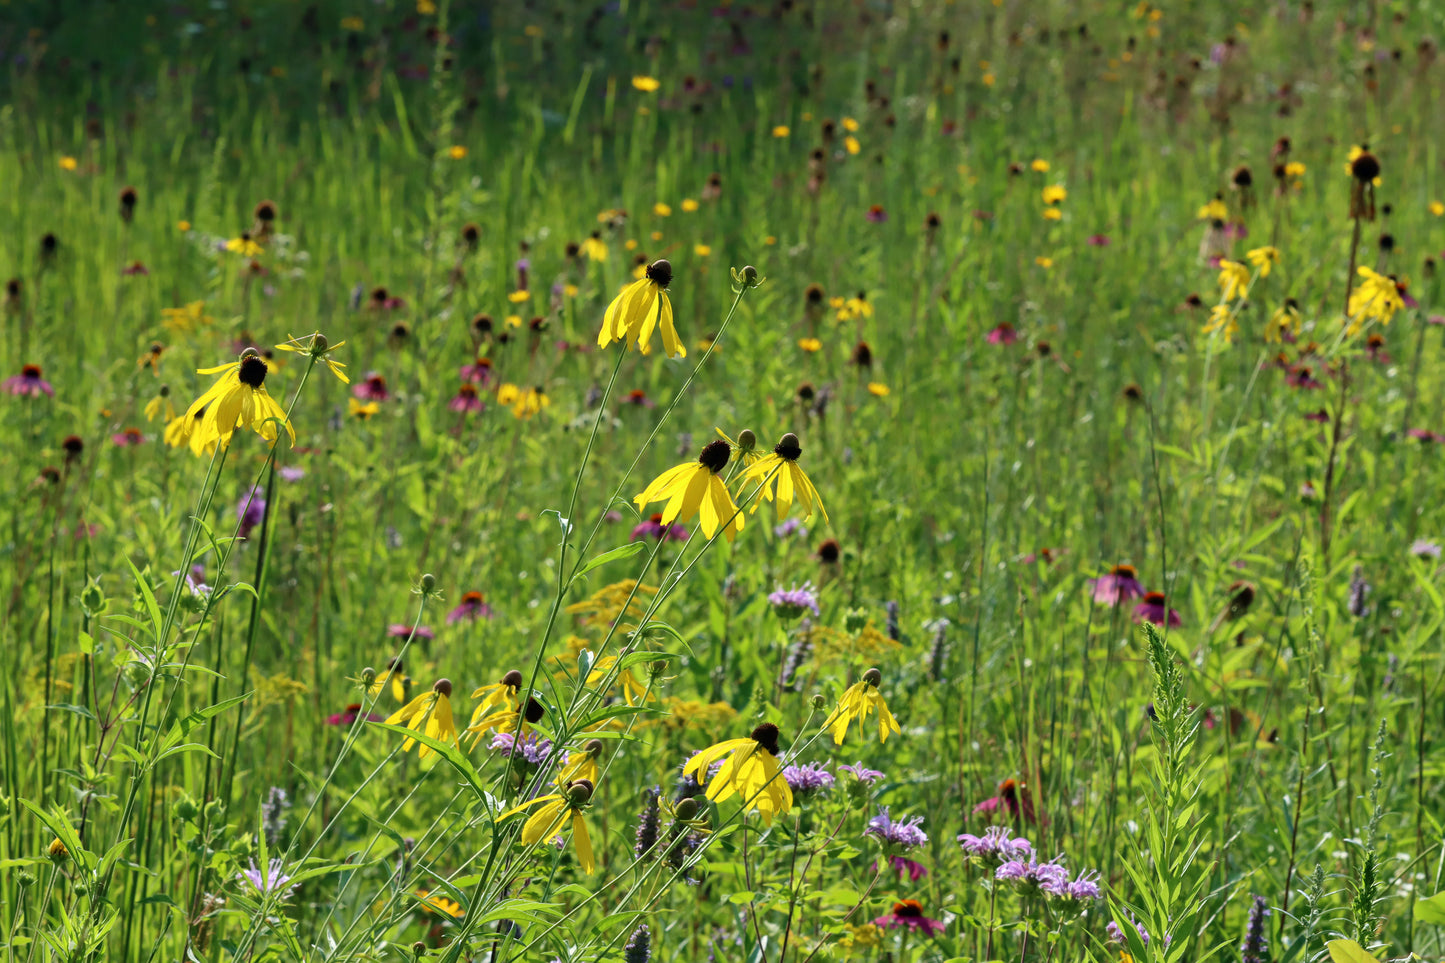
[
  {"x": 766, "y": 735},
  {"x": 659, "y": 272},
  {"x": 715, "y": 455},
  {"x": 580, "y": 792}
]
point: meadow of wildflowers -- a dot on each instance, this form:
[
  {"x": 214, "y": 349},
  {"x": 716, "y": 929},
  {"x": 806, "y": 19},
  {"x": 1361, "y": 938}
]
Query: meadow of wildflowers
[{"x": 767, "y": 481}]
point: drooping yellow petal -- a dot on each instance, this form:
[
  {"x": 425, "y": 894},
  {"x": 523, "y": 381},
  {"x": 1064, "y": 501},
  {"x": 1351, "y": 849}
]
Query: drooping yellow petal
[
  {"x": 582, "y": 842},
  {"x": 544, "y": 823}
]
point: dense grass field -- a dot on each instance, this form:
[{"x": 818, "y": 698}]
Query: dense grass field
[{"x": 429, "y": 425}]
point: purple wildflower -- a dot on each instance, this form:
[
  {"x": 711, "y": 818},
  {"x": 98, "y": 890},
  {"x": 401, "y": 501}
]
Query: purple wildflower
[
  {"x": 471, "y": 608},
  {"x": 996, "y": 846},
  {"x": 903, "y": 833},
  {"x": 862, "y": 773},
  {"x": 29, "y": 383},
  {"x": 1424, "y": 548},
  {"x": 1152, "y": 609},
  {"x": 790, "y": 527},
  {"x": 653, "y": 528},
  {"x": 250, "y": 510},
  {"x": 1120, "y": 585},
  {"x": 400, "y": 630},
  {"x": 1256, "y": 941},
  {"x": 793, "y": 602},
  {"x": 267, "y": 881},
  {"x": 808, "y": 778},
  {"x": 1032, "y": 877},
  {"x": 533, "y": 748},
  {"x": 290, "y": 474}
]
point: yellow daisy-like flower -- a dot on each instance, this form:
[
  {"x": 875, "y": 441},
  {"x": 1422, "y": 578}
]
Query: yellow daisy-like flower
[
  {"x": 394, "y": 675},
  {"x": 582, "y": 765},
  {"x": 244, "y": 245},
  {"x": 187, "y": 318},
  {"x": 1286, "y": 317},
  {"x": 750, "y": 769},
  {"x": 1039, "y": 165},
  {"x": 238, "y": 400},
  {"x": 1053, "y": 214},
  {"x": 439, "y": 905},
  {"x": 810, "y": 344},
  {"x": 1223, "y": 320},
  {"x": 183, "y": 430},
  {"x": 781, "y": 131},
  {"x": 1437, "y": 208},
  {"x": 1054, "y": 194},
  {"x": 661, "y": 209},
  {"x": 642, "y": 306},
  {"x": 878, "y": 389},
  {"x": 1044, "y": 261},
  {"x": 594, "y": 249},
  {"x": 319, "y": 348},
  {"x": 1376, "y": 298},
  {"x": 362, "y": 410},
  {"x": 1263, "y": 258},
  {"x": 1233, "y": 280},
  {"x": 160, "y": 406},
  {"x": 850, "y": 125},
  {"x": 689, "y": 205},
  {"x": 507, "y": 394},
  {"x": 68, "y": 163},
  {"x": 430, "y": 714},
  {"x": 701, "y": 250},
  {"x": 517, "y": 297},
  {"x": 531, "y": 402},
  {"x": 456, "y": 152},
  {"x": 1215, "y": 210},
  {"x": 783, "y": 481},
  {"x": 183, "y": 226},
  {"x": 554, "y": 809},
  {"x": 857, "y": 702},
  {"x": 746, "y": 446},
  {"x": 856, "y": 307},
  {"x": 696, "y": 488},
  {"x": 634, "y": 692},
  {"x": 851, "y": 145},
  {"x": 645, "y": 84},
  {"x": 498, "y": 700},
  {"x": 1294, "y": 169}
]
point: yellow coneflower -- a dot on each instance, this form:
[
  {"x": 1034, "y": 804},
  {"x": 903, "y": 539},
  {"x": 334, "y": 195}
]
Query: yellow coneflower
[
  {"x": 582, "y": 764},
  {"x": 1233, "y": 280},
  {"x": 238, "y": 400},
  {"x": 187, "y": 318},
  {"x": 319, "y": 348},
  {"x": 783, "y": 481},
  {"x": 394, "y": 674},
  {"x": 1223, "y": 320},
  {"x": 594, "y": 248},
  {"x": 362, "y": 410},
  {"x": 244, "y": 245},
  {"x": 439, "y": 905},
  {"x": 182, "y": 431},
  {"x": 640, "y": 307},
  {"x": 554, "y": 810},
  {"x": 634, "y": 692},
  {"x": 1054, "y": 194},
  {"x": 1263, "y": 258},
  {"x": 430, "y": 714},
  {"x": 750, "y": 769},
  {"x": 1214, "y": 210},
  {"x": 160, "y": 406},
  {"x": 746, "y": 446},
  {"x": 1286, "y": 317},
  {"x": 508, "y": 720},
  {"x": 498, "y": 698},
  {"x": 645, "y": 84},
  {"x": 696, "y": 488},
  {"x": 152, "y": 358},
  {"x": 1377, "y": 298},
  {"x": 810, "y": 344},
  {"x": 531, "y": 402},
  {"x": 857, "y": 702}
]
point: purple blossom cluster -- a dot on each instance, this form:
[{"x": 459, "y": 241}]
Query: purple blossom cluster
[
  {"x": 904, "y": 833},
  {"x": 793, "y": 602},
  {"x": 862, "y": 773},
  {"x": 532, "y": 747},
  {"x": 808, "y": 778},
  {"x": 996, "y": 846},
  {"x": 270, "y": 880}
]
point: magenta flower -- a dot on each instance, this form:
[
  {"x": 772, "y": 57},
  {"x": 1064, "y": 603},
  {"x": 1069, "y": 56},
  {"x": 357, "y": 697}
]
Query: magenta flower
[
  {"x": 1098, "y": 240},
  {"x": 1152, "y": 609},
  {"x": 466, "y": 398},
  {"x": 400, "y": 630},
  {"x": 903, "y": 865},
  {"x": 909, "y": 913},
  {"x": 653, "y": 528},
  {"x": 29, "y": 383},
  {"x": 250, "y": 511},
  {"x": 1003, "y": 334},
  {"x": 472, "y": 607},
  {"x": 290, "y": 473},
  {"x": 1426, "y": 435},
  {"x": 1120, "y": 585},
  {"x": 371, "y": 388},
  {"x": 1322, "y": 416},
  {"x": 1009, "y": 798},
  {"x": 877, "y": 214},
  {"x": 128, "y": 438},
  {"x": 348, "y": 715},
  {"x": 479, "y": 372}
]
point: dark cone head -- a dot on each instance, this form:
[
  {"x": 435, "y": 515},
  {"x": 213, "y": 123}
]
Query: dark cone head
[
  {"x": 659, "y": 272},
  {"x": 766, "y": 735}
]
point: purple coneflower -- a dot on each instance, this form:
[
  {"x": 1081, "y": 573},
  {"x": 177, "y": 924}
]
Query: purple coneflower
[
  {"x": 128, "y": 438},
  {"x": 1152, "y": 609},
  {"x": 466, "y": 398},
  {"x": 1120, "y": 585},
  {"x": 1321, "y": 416},
  {"x": 1425, "y": 434},
  {"x": 471, "y": 608},
  {"x": 877, "y": 214},
  {"x": 348, "y": 715},
  {"x": 808, "y": 778},
  {"x": 479, "y": 372},
  {"x": 1008, "y": 798},
  {"x": 400, "y": 630},
  {"x": 653, "y": 528},
  {"x": 637, "y": 398},
  {"x": 29, "y": 383},
  {"x": 1003, "y": 334},
  {"x": 371, "y": 388},
  {"x": 909, "y": 913},
  {"x": 1301, "y": 376},
  {"x": 1098, "y": 240},
  {"x": 134, "y": 269}
]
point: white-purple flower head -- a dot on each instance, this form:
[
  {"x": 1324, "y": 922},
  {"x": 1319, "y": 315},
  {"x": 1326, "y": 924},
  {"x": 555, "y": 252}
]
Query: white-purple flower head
[
  {"x": 996, "y": 846},
  {"x": 903, "y": 833},
  {"x": 270, "y": 880},
  {"x": 532, "y": 747},
  {"x": 790, "y": 527},
  {"x": 1073, "y": 892},
  {"x": 793, "y": 602},
  {"x": 862, "y": 773},
  {"x": 808, "y": 778}
]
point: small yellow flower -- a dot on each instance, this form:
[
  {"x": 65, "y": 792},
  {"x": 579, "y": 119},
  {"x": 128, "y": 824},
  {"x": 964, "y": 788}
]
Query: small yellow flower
[
  {"x": 594, "y": 249},
  {"x": 1054, "y": 194},
  {"x": 810, "y": 344},
  {"x": 1233, "y": 280},
  {"x": 392, "y": 675},
  {"x": 634, "y": 692},
  {"x": 1053, "y": 214},
  {"x": 243, "y": 245},
  {"x": 319, "y": 348},
  {"x": 857, "y": 702},
  {"x": 1222, "y": 319},
  {"x": 850, "y": 143},
  {"x": 1294, "y": 169},
  {"x": 701, "y": 250},
  {"x": 1263, "y": 258},
  {"x": 1285, "y": 318},
  {"x": 689, "y": 205},
  {"x": 517, "y": 297},
  {"x": 1376, "y": 298},
  {"x": 183, "y": 226},
  {"x": 68, "y": 163},
  {"x": 1039, "y": 165},
  {"x": 630, "y": 244},
  {"x": 439, "y": 905},
  {"x": 1437, "y": 208},
  {"x": 645, "y": 84},
  {"x": 989, "y": 80},
  {"x": 770, "y": 240},
  {"x": 1044, "y": 262},
  {"x": 641, "y": 307},
  {"x": 661, "y": 209},
  {"x": 781, "y": 131},
  {"x": 187, "y": 318},
  {"x": 513, "y": 320},
  {"x": 531, "y": 402},
  {"x": 850, "y": 125},
  {"x": 1215, "y": 210},
  {"x": 430, "y": 714},
  {"x": 456, "y": 151},
  {"x": 878, "y": 389},
  {"x": 353, "y": 24},
  {"x": 570, "y": 290},
  {"x": 237, "y": 400},
  {"x": 363, "y": 411},
  {"x": 426, "y": 7}
]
